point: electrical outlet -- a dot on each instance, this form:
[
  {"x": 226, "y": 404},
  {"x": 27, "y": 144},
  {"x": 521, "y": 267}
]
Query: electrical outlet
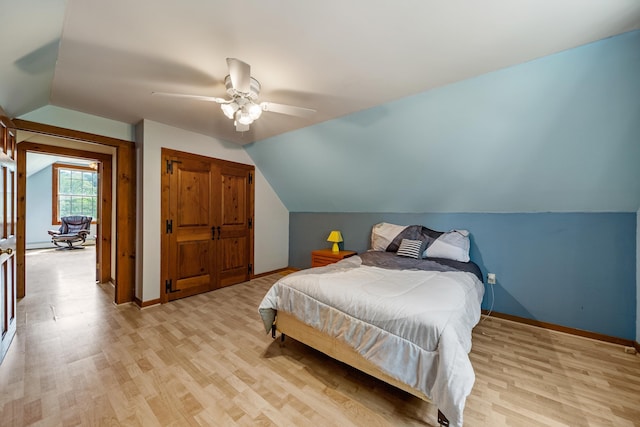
[{"x": 491, "y": 278}]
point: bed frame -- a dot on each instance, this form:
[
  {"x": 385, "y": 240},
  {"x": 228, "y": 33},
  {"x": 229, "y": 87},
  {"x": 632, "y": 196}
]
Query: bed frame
[{"x": 290, "y": 326}]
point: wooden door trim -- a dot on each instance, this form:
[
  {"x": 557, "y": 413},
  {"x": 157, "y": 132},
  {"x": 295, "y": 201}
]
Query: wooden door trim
[
  {"x": 220, "y": 162},
  {"x": 105, "y": 192},
  {"x": 77, "y": 135},
  {"x": 125, "y": 199},
  {"x": 165, "y": 204}
]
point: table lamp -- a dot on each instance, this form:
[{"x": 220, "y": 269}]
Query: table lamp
[{"x": 335, "y": 237}]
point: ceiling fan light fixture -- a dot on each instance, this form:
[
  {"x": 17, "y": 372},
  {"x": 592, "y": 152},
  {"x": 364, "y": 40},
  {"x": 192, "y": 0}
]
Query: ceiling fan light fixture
[
  {"x": 254, "y": 110},
  {"x": 242, "y": 106},
  {"x": 243, "y": 117},
  {"x": 229, "y": 109}
]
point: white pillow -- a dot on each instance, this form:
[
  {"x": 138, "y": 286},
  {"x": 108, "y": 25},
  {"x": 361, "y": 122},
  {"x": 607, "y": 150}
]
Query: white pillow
[
  {"x": 382, "y": 235},
  {"x": 451, "y": 245}
]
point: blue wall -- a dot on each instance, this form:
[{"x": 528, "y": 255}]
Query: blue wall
[
  {"x": 571, "y": 269},
  {"x": 557, "y": 134}
]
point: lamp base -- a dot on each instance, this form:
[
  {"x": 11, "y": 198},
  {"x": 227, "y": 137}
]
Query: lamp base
[{"x": 335, "y": 248}]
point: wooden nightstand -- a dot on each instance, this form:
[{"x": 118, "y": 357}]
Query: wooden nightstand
[{"x": 323, "y": 257}]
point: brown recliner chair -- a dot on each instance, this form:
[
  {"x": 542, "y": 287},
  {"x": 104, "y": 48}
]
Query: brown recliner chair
[{"x": 73, "y": 232}]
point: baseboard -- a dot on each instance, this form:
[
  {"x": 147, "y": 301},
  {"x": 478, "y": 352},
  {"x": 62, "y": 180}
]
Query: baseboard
[
  {"x": 565, "y": 329},
  {"x": 145, "y": 304},
  {"x": 39, "y": 245},
  {"x": 280, "y": 270},
  {"x": 49, "y": 245}
]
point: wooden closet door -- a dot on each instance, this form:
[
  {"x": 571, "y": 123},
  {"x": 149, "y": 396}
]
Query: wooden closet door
[
  {"x": 207, "y": 208},
  {"x": 235, "y": 244},
  {"x": 190, "y": 261}
]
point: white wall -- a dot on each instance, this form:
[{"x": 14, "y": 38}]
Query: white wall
[
  {"x": 271, "y": 217},
  {"x": 70, "y": 119},
  {"x": 638, "y": 277},
  {"x": 38, "y": 214}
]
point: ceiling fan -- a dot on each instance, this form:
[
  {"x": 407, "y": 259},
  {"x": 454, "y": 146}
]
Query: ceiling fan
[{"x": 243, "y": 90}]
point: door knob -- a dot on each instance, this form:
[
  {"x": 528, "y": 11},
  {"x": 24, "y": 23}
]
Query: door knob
[{"x": 8, "y": 251}]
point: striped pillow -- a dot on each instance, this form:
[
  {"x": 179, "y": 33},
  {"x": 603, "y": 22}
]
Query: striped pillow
[{"x": 411, "y": 248}]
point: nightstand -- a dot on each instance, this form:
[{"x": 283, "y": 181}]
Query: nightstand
[{"x": 323, "y": 257}]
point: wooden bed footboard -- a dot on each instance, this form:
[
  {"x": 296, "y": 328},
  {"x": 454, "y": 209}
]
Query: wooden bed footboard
[
  {"x": 294, "y": 328},
  {"x": 289, "y": 325}
]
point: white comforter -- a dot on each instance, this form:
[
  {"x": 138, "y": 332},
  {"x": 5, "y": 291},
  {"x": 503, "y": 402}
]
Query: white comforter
[{"x": 414, "y": 325}]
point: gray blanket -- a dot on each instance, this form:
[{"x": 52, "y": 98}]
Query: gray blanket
[{"x": 392, "y": 261}]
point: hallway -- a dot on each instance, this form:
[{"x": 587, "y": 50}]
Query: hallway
[{"x": 61, "y": 283}]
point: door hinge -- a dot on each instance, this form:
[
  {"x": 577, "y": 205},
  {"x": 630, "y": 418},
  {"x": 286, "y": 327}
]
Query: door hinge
[
  {"x": 250, "y": 222},
  {"x": 250, "y": 268},
  {"x": 168, "y": 287},
  {"x": 169, "y": 226},
  {"x": 170, "y": 165},
  {"x": 250, "y": 178}
]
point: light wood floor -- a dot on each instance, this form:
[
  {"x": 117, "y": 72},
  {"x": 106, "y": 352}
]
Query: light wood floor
[{"x": 79, "y": 360}]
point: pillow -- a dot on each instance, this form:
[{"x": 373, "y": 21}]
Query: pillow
[
  {"x": 411, "y": 248},
  {"x": 450, "y": 245},
  {"x": 413, "y": 232},
  {"x": 382, "y": 235}
]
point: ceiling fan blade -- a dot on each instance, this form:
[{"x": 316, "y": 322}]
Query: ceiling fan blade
[
  {"x": 287, "y": 109},
  {"x": 240, "y": 73},
  {"x": 198, "y": 97},
  {"x": 241, "y": 128}
]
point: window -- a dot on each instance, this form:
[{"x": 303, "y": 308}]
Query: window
[{"x": 75, "y": 191}]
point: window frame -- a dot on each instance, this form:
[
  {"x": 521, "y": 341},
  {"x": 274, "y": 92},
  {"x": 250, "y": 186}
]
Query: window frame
[{"x": 55, "y": 167}]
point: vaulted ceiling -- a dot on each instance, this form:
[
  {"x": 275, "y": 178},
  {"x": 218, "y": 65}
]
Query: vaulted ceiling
[
  {"x": 422, "y": 105},
  {"x": 338, "y": 57},
  {"x": 556, "y": 134}
]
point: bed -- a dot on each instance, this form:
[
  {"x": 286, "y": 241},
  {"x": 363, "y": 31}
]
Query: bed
[{"x": 406, "y": 320}]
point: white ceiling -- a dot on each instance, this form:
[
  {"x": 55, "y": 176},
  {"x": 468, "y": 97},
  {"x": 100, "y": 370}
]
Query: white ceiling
[
  {"x": 338, "y": 57},
  {"x": 37, "y": 161}
]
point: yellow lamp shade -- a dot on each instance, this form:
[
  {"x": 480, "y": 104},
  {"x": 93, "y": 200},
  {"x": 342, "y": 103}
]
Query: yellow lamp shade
[{"x": 335, "y": 236}]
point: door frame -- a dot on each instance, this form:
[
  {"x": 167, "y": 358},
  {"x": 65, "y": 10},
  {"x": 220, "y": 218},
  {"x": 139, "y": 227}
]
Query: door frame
[
  {"x": 125, "y": 200},
  {"x": 105, "y": 171}
]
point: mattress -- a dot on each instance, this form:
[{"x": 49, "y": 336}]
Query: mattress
[{"x": 413, "y": 321}]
